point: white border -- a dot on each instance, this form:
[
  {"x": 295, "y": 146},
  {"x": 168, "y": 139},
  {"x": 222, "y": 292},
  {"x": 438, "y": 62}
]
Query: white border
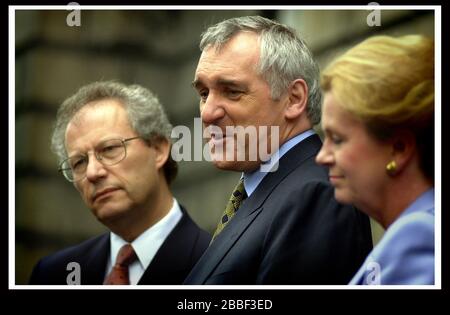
[
  {"x": 11, "y": 145},
  {"x": 12, "y": 150},
  {"x": 224, "y": 7},
  {"x": 438, "y": 147}
]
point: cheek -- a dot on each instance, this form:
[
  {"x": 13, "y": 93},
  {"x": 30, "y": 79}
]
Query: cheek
[
  {"x": 353, "y": 156},
  {"x": 142, "y": 172},
  {"x": 84, "y": 192},
  {"x": 362, "y": 169},
  {"x": 268, "y": 114},
  {"x": 346, "y": 159}
]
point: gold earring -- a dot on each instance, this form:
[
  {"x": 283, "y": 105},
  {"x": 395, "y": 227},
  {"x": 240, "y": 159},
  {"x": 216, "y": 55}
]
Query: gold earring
[{"x": 391, "y": 168}]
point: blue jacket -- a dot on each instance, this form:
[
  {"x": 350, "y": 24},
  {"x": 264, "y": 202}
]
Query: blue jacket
[{"x": 405, "y": 254}]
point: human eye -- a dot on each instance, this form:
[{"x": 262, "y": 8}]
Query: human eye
[
  {"x": 333, "y": 137},
  {"x": 203, "y": 95},
  {"x": 336, "y": 139},
  {"x": 110, "y": 148},
  {"x": 77, "y": 163},
  {"x": 233, "y": 93}
]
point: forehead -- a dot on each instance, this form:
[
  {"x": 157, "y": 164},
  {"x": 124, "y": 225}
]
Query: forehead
[
  {"x": 97, "y": 120},
  {"x": 103, "y": 110},
  {"x": 336, "y": 117},
  {"x": 332, "y": 110},
  {"x": 239, "y": 55}
]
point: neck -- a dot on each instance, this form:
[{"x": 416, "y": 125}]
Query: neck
[
  {"x": 293, "y": 129},
  {"x": 137, "y": 221},
  {"x": 402, "y": 193}
]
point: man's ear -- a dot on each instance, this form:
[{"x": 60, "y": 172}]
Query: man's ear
[
  {"x": 297, "y": 99},
  {"x": 162, "y": 150},
  {"x": 404, "y": 147}
]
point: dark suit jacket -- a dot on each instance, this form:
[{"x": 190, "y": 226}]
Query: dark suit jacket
[
  {"x": 171, "y": 264},
  {"x": 289, "y": 231}
]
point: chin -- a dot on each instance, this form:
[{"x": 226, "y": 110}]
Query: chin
[
  {"x": 228, "y": 165},
  {"x": 109, "y": 214},
  {"x": 342, "y": 197},
  {"x": 242, "y": 165}
]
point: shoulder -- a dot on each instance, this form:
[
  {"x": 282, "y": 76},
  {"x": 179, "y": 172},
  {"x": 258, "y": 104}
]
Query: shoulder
[
  {"x": 308, "y": 237},
  {"x": 51, "y": 266},
  {"x": 312, "y": 196},
  {"x": 300, "y": 193},
  {"x": 406, "y": 252},
  {"x": 304, "y": 180},
  {"x": 309, "y": 209},
  {"x": 76, "y": 250},
  {"x": 188, "y": 232},
  {"x": 408, "y": 232}
]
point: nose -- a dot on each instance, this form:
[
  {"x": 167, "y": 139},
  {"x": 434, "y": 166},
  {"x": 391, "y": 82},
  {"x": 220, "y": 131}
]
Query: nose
[
  {"x": 95, "y": 170},
  {"x": 211, "y": 110},
  {"x": 325, "y": 157}
]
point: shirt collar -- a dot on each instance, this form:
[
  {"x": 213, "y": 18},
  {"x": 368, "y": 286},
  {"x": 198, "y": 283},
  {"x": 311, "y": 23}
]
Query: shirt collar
[
  {"x": 253, "y": 179},
  {"x": 147, "y": 244}
]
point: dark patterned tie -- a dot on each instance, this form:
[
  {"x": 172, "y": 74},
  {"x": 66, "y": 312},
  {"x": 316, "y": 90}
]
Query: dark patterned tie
[
  {"x": 233, "y": 205},
  {"x": 119, "y": 273}
]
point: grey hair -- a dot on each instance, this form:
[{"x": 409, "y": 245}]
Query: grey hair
[
  {"x": 284, "y": 57},
  {"x": 145, "y": 114}
]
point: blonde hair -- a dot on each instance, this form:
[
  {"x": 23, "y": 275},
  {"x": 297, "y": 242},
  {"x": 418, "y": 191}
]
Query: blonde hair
[{"x": 388, "y": 83}]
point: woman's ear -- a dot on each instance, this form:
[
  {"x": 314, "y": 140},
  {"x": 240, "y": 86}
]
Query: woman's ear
[
  {"x": 297, "y": 99},
  {"x": 162, "y": 150},
  {"x": 404, "y": 148}
]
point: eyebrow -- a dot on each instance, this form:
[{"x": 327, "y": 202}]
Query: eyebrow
[
  {"x": 325, "y": 129},
  {"x": 102, "y": 140},
  {"x": 196, "y": 84}
]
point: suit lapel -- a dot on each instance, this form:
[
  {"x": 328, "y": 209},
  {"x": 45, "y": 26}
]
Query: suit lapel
[
  {"x": 163, "y": 268},
  {"x": 288, "y": 162},
  {"x": 251, "y": 208},
  {"x": 220, "y": 247},
  {"x": 94, "y": 262}
]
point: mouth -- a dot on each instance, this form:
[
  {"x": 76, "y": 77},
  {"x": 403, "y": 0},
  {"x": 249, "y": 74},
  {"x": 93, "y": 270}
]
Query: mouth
[
  {"x": 334, "y": 178},
  {"x": 103, "y": 193},
  {"x": 216, "y": 137}
]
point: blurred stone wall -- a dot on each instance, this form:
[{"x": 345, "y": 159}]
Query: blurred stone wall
[{"x": 159, "y": 50}]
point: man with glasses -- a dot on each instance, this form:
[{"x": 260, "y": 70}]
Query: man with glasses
[{"x": 113, "y": 142}]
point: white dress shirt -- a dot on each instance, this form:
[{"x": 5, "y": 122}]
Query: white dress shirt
[{"x": 145, "y": 245}]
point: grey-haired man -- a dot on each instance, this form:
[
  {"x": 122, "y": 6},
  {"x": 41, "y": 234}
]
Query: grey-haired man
[
  {"x": 113, "y": 142},
  {"x": 283, "y": 226}
]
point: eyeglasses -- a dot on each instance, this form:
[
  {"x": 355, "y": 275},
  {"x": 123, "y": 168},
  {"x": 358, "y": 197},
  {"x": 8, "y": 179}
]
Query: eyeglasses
[{"x": 108, "y": 152}]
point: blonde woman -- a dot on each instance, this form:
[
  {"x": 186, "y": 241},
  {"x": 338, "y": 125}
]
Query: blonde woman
[{"x": 378, "y": 121}]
